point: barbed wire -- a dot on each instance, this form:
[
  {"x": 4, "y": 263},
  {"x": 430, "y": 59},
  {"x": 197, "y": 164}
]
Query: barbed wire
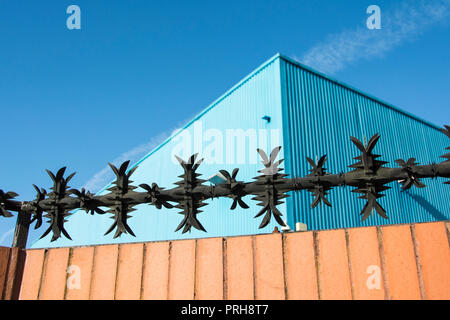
[{"x": 369, "y": 176}]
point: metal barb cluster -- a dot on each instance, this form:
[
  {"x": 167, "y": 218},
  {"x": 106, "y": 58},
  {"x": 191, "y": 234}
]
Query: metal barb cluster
[
  {"x": 36, "y": 210},
  {"x": 270, "y": 196},
  {"x": 121, "y": 199},
  {"x": 154, "y": 196},
  {"x": 369, "y": 176},
  {"x": 321, "y": 188},
  {"x": 446, "y": 131},
  {"x": 368, "y": 186},
  {"x": 191, "y": 201},
  {"x": 58, "y": 211},
  {"x": 409, "y": 167},
  {"x": 5, "y": 196},
  {"x": 236, "y": 189}
]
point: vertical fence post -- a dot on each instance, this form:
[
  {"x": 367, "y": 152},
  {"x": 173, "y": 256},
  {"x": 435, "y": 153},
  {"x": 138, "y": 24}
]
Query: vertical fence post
[
  {"x": 21, "y": 231},
  {"x": 16, "y": 261}
]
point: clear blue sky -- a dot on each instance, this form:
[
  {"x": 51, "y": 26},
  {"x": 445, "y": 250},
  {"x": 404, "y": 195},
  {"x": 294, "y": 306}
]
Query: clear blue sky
[{"x": 137, "y": 70}]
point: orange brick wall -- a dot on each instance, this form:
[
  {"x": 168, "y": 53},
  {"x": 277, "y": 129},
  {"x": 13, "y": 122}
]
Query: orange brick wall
[{"x": 406, "y": 261}]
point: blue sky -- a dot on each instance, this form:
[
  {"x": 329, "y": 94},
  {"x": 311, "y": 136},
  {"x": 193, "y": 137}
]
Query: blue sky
[{"x": 138, "y": 70}]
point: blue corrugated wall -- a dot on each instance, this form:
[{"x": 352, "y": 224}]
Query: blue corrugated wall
[
  {"x": 319, "y": 116},
  {"x": 242, "y": 107}
]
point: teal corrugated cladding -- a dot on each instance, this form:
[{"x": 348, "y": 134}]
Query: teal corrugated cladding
[
  {"x": 320, "y": 115},
  {"x": 240, "y": 108}
]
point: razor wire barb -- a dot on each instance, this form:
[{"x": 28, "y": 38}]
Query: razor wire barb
[{"x": 369, "y": 177}]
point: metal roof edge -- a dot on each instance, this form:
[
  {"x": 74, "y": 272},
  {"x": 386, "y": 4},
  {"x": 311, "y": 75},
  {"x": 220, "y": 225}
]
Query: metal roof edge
[{"x": 387, "y": 104}]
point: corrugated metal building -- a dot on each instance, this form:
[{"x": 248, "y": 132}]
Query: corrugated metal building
[{"x": 309, "y": 114}]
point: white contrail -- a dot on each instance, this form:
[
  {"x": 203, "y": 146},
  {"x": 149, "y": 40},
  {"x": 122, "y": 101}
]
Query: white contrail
[
  {"x": 101, "y": 178},
  {"x": 106, "y": 175},
  {"x": 398, "y": 25},
  {"x": 6, "y": 235}
]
